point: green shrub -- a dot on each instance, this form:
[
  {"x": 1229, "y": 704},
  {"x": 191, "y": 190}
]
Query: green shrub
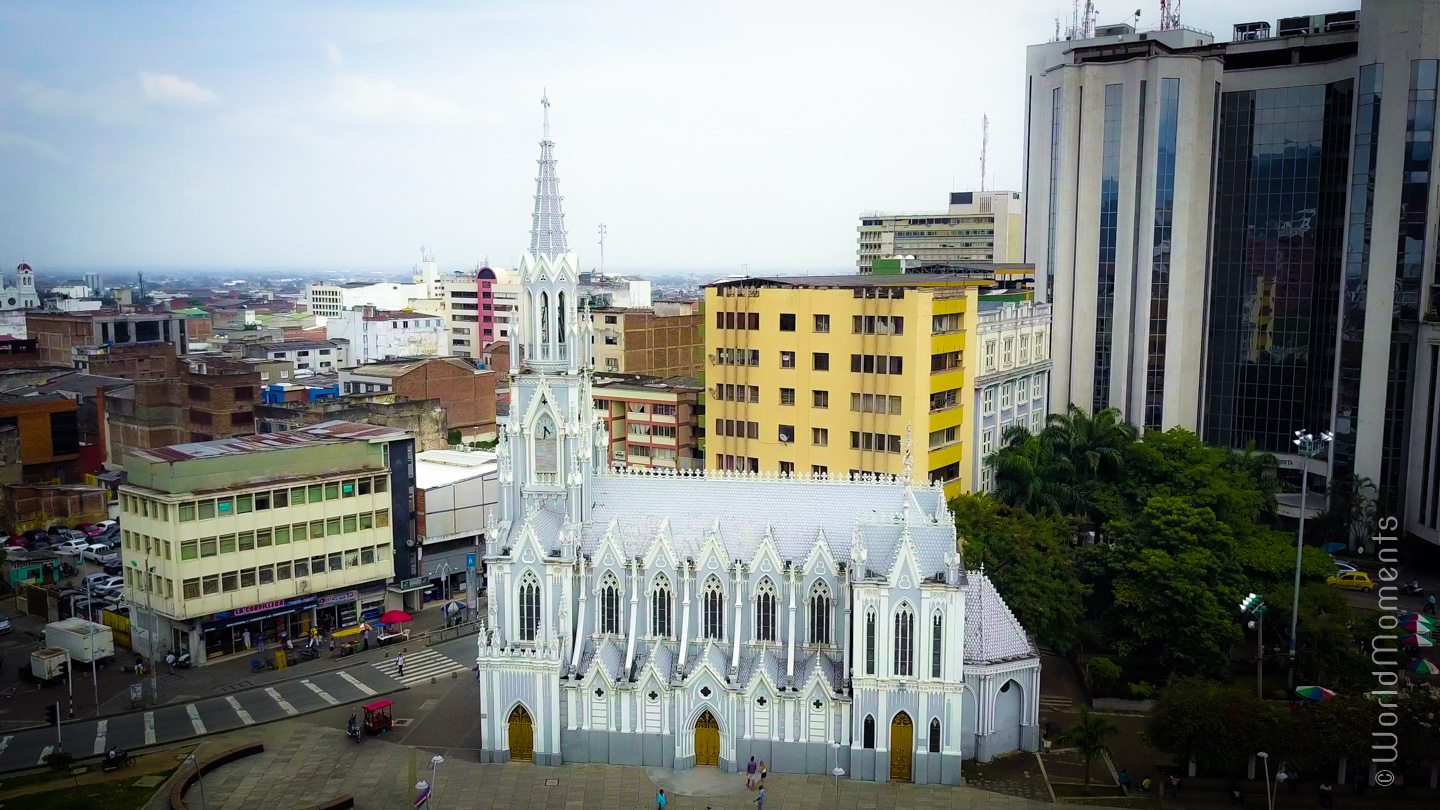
[
  {"x": 1103, "y": 673},
  {"x": 59, "y": 761},
  {"x": 1142, "y": 690}
]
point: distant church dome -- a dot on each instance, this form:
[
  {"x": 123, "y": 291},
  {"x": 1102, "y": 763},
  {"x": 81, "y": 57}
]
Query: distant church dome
[{"x": 24, "y": 268}]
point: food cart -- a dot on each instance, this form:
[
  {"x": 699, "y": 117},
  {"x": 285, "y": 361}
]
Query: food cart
[
  {"x": 377, "y": 717},
  {"x": 392, "y": 627}
]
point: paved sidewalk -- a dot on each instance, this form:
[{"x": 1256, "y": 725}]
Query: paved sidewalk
[{"x": 304, "y": 764}]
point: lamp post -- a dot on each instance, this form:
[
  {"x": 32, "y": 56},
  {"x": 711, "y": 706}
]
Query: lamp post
[
  {"x": 1309, "y": 447},
  {"x": 90, "y": 602},
  {"x": 837, "y": 772},
  {"x": 1254, "y": 604},
  {"x": 435, "y": 763},
  {"x": 199, "y": 777},
  {"x": 1269, "y": 797}
]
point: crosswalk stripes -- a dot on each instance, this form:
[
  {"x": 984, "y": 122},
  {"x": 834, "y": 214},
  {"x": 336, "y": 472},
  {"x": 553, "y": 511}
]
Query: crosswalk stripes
[
  {"x": 420, "y": 666},
  {"x": 5, "y": 743},
  {"x": 350, "y": 679},
  {"x": 195, "y": 719},
  {"x": 321, "y": 692},
  {"x": 100, "y": 736},
  {"x": 239, "y": 712},
  {"x": 149, "y": 728},
  {"x": 284, "y": 704}
]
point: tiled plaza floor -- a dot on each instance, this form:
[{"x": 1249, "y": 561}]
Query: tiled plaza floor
[{"x": 304, "y": 763}]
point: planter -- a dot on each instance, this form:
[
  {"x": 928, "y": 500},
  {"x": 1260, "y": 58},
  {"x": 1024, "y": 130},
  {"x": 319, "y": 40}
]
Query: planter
[{"x": 1120, "y": 705}]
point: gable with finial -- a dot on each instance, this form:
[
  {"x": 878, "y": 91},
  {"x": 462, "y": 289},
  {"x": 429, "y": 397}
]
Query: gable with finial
[
  {"x": 661, "y": 553},
  {"x": 904, "y": 570},
  {"x": 819, "y": 562},
  {"x": 765, "y": 562}
]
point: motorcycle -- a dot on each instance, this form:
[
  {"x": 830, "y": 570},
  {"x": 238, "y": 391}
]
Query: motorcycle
[
  {"x": 309, "y": 653},
  {"x": 120, "y": 760},
  {"x": 1412, "y": 590},
  {"x": 352, "y": 729},
  {"x": 184, "y": 662}
]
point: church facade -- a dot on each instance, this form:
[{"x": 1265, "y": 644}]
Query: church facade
[{"x": 683, "y": 620}]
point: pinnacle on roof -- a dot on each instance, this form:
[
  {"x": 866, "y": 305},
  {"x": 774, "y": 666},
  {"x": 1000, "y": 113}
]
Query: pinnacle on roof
[{"x": 547, "y": 225}]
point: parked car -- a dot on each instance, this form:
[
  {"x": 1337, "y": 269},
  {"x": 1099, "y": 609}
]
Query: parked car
[
  {"x": 98, "y": 553},
  {"x": 36, "y": 534},
  {"x": 41, "y": 545},
  {"x": 67, "y": 534},
  {"x": 111, "y": 540},
  {"x": 70, "y": 548},
  {"x": 84, "y": 527},
  {"x": 107, "y": 586},
  {"x": 105, "y": 525},
  {"x": 18, "y": 541},
  {"x": 113, "y": 567},
  {"x": 94, "y": 581},
  {"x": 1342, "y": 567},
  {"x": 4, "y": 625},
  {"x": 1351, "y": 581}
]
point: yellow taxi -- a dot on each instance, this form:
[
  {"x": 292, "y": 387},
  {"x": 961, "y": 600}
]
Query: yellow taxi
[{"x": 1351, "y": 581}]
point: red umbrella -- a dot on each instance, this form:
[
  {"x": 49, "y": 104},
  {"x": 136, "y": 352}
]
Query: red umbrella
[{"x": 395, "y": 617}]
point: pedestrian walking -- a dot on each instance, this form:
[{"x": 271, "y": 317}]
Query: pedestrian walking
[
  {"x": 246, "y": 637},
  {"x": 400, "y": 665},
  {"x": 660, "y": 799},
  {"x": 332, "y": 645},
  {"x": 1327, "y": 795},
  {"x": 1145, "y": 785},
  {"x": 750, "y": 769},
  {"x": 170, "y": 662},
  {"x": 1175, "y": 787},
  {"x": 1124, "y": 780},
  {"x": 760, "y": 800},
  {"x": 764, "y": 772},
  {"x": 1429, "y": 605},
  {"x": 1236, "y": 797},
  {"x": 365, "y": 638}
]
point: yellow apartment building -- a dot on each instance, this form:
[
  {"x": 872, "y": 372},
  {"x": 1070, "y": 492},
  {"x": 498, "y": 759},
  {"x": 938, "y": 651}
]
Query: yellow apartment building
[
  {"x": 842, "y": 374},
  {"x": 246, "y": 538}
]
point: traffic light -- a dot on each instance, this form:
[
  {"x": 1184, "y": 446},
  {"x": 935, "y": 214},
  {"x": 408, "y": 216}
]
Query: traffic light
[
  {"x": 52, "y": 714},
  {"x": 65, "y": 668}
]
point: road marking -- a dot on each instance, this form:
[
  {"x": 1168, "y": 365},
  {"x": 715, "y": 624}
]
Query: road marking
[
  {"x": 5, "y": 743},
  {"x": 351, "y": 679},
  {"x": 421, "y": 666},
  {"x": 45, "y": 753},
  {"x": 100, "y": 736},
  {"x": 321, "y": 692},
  {"x": 149, "y": 728},
  {"x": 195, "y": 718},
  {"x": 284, "y": 704},
  {"x": 244, "y": 715}
]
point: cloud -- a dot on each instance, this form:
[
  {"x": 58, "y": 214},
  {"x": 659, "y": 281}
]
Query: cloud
[
  {"x": 357, "y": 97},
  {"x": 333, "y": 54},
  {"x": 14, "y": 140},
  {"x": 162, "y": 88}
]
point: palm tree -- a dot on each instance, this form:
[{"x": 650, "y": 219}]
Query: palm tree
[
  {"x": 1094, "y": 445},
  {"x": 1029, "y": 476},
  {"x": 1090, "y": 735}
]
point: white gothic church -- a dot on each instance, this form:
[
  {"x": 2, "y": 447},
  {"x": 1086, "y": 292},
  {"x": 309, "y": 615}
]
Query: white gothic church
[{"x": 680, "y": 620}]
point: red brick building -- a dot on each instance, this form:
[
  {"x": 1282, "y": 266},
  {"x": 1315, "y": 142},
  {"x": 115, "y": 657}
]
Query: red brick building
[{"x": 466, "y": 391}]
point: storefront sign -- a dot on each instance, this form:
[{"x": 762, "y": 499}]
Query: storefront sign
[
  {"x": 469, "y": 560},
  {"x": 250, "y": 610},
  {"x": 336, "y": 598},
  {"x": 414, "y": 583},
  {"x": 260, "y": 608}
]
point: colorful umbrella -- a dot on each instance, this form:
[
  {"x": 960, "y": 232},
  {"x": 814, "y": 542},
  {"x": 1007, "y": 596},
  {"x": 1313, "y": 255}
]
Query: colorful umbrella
[
  {"x": 1417, "y": 626},
  {"x": 1417, "y": 640},
  {"x": 1431, "y": 620},
  {"x": 395, "y": 617},
  {"x": 1423, "y": 667},
  {"x": 1314, "y": 692}
]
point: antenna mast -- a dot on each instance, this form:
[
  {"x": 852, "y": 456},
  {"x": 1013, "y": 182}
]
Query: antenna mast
[
  {"x": 1169, "y": 15},
  {"x": 602, "y": 248},
  {"x": 984, "y": 146}
]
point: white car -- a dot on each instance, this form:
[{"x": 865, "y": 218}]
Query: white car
[
  {"x": 105, "y": 524},
  {"x": 96, "y": 581},
  {"x": 70, "y": 548},
  {"x": 98, "y": 553},
  {"x": 67, "y": 534}
]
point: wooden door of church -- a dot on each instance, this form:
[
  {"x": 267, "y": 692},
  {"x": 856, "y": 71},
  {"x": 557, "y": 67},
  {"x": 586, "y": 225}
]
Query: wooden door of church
[
  {"x": 522, "y": 735},
  {"x": 902, "y": 747},
  {"x": 707, "y": 740}
]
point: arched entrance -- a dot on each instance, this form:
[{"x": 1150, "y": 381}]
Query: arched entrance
[
  {"x": 707, "y": 739},
  {"x": 902, "y": 747},
  {"x": 1009, "y": 704},
  {"x": 522, "y": 735}
]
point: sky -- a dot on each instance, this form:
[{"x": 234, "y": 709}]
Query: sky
[{"x": 707, "y": 137}]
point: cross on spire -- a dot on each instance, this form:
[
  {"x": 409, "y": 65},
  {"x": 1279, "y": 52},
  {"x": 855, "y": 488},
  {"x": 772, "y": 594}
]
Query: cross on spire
[{"x": 547, "y": 224}]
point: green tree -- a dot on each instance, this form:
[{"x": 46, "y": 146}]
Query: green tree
[
  {"x": 1091, "y": 737},
  {"x": 1219, "y": 727},
  {"x": 1094, "y": 446},
  {"x": 1029, "y": 475},
  {"x": 1030, "y": 560},
  {"x": 1177, "y": 608}
]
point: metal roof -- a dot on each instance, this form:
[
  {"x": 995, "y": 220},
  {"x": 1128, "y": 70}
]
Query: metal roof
[{"x": 333, "y": 432}]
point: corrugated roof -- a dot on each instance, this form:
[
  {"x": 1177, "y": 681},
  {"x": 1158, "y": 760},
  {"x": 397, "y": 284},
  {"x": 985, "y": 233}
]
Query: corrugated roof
[{"x": 332, "y": 432}]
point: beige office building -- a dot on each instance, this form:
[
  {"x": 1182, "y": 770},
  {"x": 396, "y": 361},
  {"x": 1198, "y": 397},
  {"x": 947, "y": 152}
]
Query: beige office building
[{"x": 984, "y": 227}]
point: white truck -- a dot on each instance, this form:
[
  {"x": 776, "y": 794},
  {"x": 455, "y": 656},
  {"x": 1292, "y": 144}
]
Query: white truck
[
  {"x": 47, "y": 664},
  {"x": 84, "y": 641}
]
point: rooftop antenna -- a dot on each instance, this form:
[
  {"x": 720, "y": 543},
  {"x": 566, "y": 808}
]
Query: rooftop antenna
[
  {"x": 984, "y": 146},
  {"x": 602, "y": 248},
  {"x": 1169, "y": 15},
  {"x": 545, "y": 102},
  {"x": 1090, "y": 14}
]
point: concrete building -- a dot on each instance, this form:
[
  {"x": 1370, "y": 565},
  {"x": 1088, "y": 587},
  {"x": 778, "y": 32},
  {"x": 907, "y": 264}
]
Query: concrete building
[
  {"x": 57, "y": 334},
  {"x": 376, "y": 335},
  {"x": 309, "y": 356},
  {"x": 262, "y": 534},
  {"x": 1012, "y": 383},
  {"x": 843, "y": 374},
  {"x": 645, "y": 341},
  {"x": 1259, "y": 261},
  {"x": 423, "y": 419},
  {"x": 329, "y": 300},
  {"x": 984, "y": 226},
  {"x": 466, "y": 391},
  {"x": 49, "y": 436},
  {"x": 17, "y": 352},
  {"x": 19, "y": 293},
  {"x": 194, "y": 404},
  {"x": 454, "y": 491},
  {"x": 650, "y": 421}
]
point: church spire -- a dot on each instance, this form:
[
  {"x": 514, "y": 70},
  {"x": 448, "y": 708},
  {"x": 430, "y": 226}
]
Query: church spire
[{"x": 547, "y": 228}]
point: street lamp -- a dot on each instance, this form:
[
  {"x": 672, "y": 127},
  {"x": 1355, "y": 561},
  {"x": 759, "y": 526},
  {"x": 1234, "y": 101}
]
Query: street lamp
[
  {"x": 837, "y": 772},
  {"x": 1309, "y": 447},
  {"x": 1254, "y": 604},
  {"x": 1269, "y": 797},
  {"x": 435, "y": 762},
  {"x": 199, "y": 777}
]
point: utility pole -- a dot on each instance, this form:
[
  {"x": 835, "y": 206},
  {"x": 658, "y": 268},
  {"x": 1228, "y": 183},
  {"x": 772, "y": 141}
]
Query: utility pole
[
  {"x": 984, "y": 146},
  {"x": 602, "y": 249},
  {"x": 1310, "y": 447},
  {"x": 1254, "y": 604}
]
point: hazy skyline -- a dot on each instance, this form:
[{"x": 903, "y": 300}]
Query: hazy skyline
[{"x": 345, "y": 136}]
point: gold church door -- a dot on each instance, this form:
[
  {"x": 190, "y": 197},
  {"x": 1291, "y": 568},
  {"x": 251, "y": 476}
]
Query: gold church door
[
  {"x": 707, "y": 740},
  {"x": 902, "y": 747},
  {"x": 522, "y": 735}
]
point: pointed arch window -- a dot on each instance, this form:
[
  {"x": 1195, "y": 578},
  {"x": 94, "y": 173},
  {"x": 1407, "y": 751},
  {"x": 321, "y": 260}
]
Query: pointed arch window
[
  {"x": 904, "y": 643},
  {"x": 609, "y": 604},
  {"x": 935, "y": 735},
  {"x": 870, "y": 643},
  {"x": 820, "y": 607},
  {"x": 937, "y": 625},
  {"x": 765, "y": 611},
  {"x": 529, "y": 607},
  {"x": 660, "y": 608},
  {"x": 560, "y": 317},
  {"x": 714, "y": 602},
  {"x": 869, "y": 738},
  {"x": 545, "y": 324}
]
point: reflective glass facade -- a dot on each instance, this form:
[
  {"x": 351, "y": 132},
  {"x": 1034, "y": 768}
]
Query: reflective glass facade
[
  {"x": 1357, "y": 267},
  {"x": 1409, "y": 265},
  {"x": 1282, "y": 169},
  {"x": 1160, "y": 251},
  {"x": 1109, "y": 227},
  {"x": 1055, "y": 100}
]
